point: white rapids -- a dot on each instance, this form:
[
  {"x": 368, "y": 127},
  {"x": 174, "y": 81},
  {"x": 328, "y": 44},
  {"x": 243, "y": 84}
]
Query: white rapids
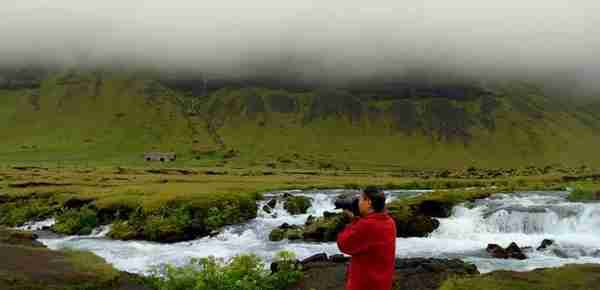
[{"x": 525, "y": 218}]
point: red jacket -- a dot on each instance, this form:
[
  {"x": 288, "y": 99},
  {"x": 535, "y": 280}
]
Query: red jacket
[{"x": 371, "y": 241}]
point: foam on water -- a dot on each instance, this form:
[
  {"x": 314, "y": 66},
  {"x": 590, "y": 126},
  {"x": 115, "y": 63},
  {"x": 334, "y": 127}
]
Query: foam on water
[{"x": 524, "y": 218}]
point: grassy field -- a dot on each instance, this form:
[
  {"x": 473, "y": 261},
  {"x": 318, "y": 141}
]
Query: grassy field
[{"x": 110, "y": 119}]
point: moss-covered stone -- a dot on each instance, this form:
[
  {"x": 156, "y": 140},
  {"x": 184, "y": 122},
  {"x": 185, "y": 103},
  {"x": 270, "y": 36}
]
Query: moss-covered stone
[
  {"x": 415, "y": 217},
  {"x": 324, "y": 228},
  {"x": 297, "y": 204},
  {"x": 276, "y": 235}
]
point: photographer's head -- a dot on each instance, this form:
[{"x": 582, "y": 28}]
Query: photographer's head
[{"x": 372, "y": 199}]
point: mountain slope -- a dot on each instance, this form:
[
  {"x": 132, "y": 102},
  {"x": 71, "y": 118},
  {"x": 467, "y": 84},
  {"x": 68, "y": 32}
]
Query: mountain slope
[{"x": 101, "y": 118}]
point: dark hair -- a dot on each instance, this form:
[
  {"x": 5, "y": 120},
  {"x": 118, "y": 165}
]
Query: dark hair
[{"x": 376, "y": 196}]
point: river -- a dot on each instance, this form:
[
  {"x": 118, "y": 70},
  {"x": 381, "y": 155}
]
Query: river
[{"x": 523, "y": 217}]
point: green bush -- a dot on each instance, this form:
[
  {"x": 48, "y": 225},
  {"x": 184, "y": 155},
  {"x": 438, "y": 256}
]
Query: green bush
[
  {"x": 15, "y": 214},
  {"x": 123, "y": 230},
  {"x": 170, "y": 224},
  {"x": 244, "y": 272},
  {"x": 76, "y": 221},
  {"x": 583, "y": 195}
]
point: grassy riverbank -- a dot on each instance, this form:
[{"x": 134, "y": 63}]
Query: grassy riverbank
[
  {"x": 172, "y": 204},
  {"x": 572, "y": 277}
]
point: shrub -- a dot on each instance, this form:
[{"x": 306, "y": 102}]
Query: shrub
[
  {"x": 243, "y": 272},
  {"x": 76, "y": 221},
  {"x": 171, "y": 224},
  {"x": 123, "y": 230},
  {"x": 15, "y": 214}
]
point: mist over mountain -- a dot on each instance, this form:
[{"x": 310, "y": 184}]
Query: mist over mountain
[{"x": 325, "y": 42}]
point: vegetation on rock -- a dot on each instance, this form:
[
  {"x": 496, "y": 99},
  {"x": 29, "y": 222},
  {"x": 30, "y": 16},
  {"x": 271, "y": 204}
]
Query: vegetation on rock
[{"x": 297, "y": 204}]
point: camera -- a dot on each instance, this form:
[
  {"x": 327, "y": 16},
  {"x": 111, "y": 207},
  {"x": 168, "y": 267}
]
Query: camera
[{"x": 348, "y": 202}]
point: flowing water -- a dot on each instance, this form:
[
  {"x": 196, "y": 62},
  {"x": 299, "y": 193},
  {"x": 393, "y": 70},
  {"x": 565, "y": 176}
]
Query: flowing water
[{"x": 525, "y": 218}]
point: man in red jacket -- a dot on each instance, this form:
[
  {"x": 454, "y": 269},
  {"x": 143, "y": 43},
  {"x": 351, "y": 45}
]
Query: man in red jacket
[{"x": 371, "y": 241}]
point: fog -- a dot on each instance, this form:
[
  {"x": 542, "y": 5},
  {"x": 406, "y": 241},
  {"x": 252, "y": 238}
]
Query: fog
[{"x": 325, "y": 40}]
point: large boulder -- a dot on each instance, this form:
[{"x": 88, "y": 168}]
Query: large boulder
[
  {"x": 415, "y": 226},
  {"x": 414, "y": 273}
]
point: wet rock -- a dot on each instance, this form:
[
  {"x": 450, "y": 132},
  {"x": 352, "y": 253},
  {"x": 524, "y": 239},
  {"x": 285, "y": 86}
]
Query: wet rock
[
  {"x": 321, "y": 257},
  {"x": 310, "y": 220},
  {"x": 297, "y": 204},
  {"x": 496, "y": 251},
  {"x": 434, "y": 208},
  {"x": 339, "y": 258},
  {"x": 545, "y": 244},
  {"x": 415, "y": 226},
  {"x": 514, "y": 252},
  {"x": 511, "y": 252},
  {"x": 269, "y": 206},
  {"x": 267, "y": 209}
]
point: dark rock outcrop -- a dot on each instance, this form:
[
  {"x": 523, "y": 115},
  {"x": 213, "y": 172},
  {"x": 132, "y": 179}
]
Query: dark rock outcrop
[
  {"x": 511, "y": 252},
  {"x": 545, "y": 244},
  {"x": 269, "y": 206}
]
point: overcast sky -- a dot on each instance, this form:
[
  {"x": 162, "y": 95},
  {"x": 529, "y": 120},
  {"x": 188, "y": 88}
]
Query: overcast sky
[{"x": 324, "y": 38}]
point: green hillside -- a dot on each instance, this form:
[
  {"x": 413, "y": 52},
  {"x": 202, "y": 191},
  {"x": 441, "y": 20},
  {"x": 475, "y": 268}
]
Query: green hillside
[{"x": 112, "y": 119}]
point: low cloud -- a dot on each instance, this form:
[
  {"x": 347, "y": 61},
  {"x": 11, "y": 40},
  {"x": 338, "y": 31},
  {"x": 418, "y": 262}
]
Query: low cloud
[{"x": 326, "y": 40}]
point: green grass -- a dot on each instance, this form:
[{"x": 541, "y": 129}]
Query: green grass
[
  {"x": 572, "y": 277},
  {"x": 110, "y": 119},
  {"x": 88, "y": 262},
  {"x": 584, "y": 195}
]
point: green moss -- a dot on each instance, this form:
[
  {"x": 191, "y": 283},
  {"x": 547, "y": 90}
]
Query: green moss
[
  {"x": 17, "y": 213},
  {"x": 584, "y": 195},
  {"x": 324, "y": 228},
  {"x": 76, "y": 221},
  {"x": 169, "y": 225},
  {"x": 297, "y": 204},
  {"x": 88, "y": 262},
  {"x": 122, "y": 230},
  {"x": 276, "y": 235}
]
